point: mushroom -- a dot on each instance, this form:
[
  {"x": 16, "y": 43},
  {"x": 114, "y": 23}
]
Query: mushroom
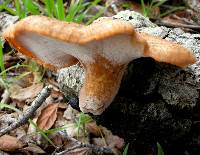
[{"x": 104, "y": 48}]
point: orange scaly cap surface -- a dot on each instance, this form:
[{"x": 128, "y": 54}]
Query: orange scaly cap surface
[{"x": 167, "y": 51}]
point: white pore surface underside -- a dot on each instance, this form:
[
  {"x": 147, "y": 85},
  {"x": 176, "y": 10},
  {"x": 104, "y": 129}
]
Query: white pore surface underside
[{"x": 117, "y": 49}]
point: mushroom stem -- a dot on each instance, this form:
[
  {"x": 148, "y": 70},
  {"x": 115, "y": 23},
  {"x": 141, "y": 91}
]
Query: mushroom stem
[{"x": 102, "y": 82}]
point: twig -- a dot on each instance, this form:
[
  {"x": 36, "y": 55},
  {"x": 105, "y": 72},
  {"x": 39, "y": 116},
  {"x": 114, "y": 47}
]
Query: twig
[
  {"x": 77, "y": 144},
  {"x": 184, "y": 20},
  {"x": 30, "y": 111},
  {"x": 96, "y": 149},
  {"x": 162, "y": 23}
]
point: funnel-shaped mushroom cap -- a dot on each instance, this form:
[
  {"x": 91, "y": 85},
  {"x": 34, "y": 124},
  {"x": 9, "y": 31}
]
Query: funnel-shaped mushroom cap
[
  {"x": 59, "y": 44},
  {"x": 104, "y": 48}
]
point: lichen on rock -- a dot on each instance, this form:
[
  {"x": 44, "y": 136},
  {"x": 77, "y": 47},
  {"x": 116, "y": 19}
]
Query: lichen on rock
[
  {"x": 157, "y": 102},
  {"x": 69, "y": 79}
]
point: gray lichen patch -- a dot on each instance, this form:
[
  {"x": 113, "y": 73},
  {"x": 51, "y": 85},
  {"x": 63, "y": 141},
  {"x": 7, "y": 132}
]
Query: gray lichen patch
[
  {"x": 156, "y": 31},
  {"x": 70, "y": 80},
  {"x": 184, "y": 96},
  {"x": 135, "y": 18},
  {"x": 6, "y": 20}
]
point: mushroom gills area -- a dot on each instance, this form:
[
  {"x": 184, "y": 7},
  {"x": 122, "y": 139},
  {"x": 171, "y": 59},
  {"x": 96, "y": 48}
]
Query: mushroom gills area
[
  {"x": 117, "y": 49},
  {"x": 53, "y": 51}
]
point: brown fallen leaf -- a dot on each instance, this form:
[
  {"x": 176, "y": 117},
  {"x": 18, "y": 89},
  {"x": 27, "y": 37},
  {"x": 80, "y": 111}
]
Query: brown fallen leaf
[
  {"x": 99, "y": 141},
  {"x": 57, "y": 95},
  {"x": 34, "y": 148},
  {"x": 10, "y": 60},
  {"x": 48, "y": 116},
  {"x": 80, "y": 151},
  {"x": 110, "y": 140},
  {"x": 57, "y": 139},
  {"x": 93, "y": 128},
  {"x": 22, "y": 94},
  {"x": 182, "y": 19},
  {"x": 10, "y": 143},
  {"x": 60, "y": 121},
  {"x": 194, "y": 5},
  {"x": 19, "y": 132},
  {"x": 70, "y": 114},
  {"x": 113, "y": 141}
]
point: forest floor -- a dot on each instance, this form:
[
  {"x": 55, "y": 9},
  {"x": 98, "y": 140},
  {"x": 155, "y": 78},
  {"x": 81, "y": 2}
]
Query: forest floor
[{"x": 54, "y": 127}]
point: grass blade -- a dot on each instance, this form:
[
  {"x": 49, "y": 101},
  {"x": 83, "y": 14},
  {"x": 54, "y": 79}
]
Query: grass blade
[
  {"x": 125, "y": 152},
  {"x": 4, "y": 75},
  {"x": 30, "y": 7},
  {"x": 49, "y": 6},
  {"x": 42, "y": 133},
  {"x": 11, "y": 11},
  {"x": 96, "y": 16},
  {"x": 5, "y": 3},
  {"x": 60, "y": 9},
  {"x": 160, "y": 150},
  {"x": 74, "y": 8},
  {"x": 19, "y": 10},
  {"x": 159, "y": 3},
  {"x": 3, "y": 105},
  {"x": 144, "y": 10},
  {"x": 93, "y": 4}
]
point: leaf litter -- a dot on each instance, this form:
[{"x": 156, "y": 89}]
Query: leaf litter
[{"x": 54, "y": 116}]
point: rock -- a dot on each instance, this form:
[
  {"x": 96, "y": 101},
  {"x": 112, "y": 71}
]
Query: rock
[
  {"x": 70, "y": 80},
  {"x": 157, "y": 102},
  {"x": 165, "y": 78},
  {"x": 6, "y": 20}
]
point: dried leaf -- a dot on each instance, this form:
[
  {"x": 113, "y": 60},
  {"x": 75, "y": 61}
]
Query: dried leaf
[
  {"x": 22, "y": 94},
  {"x": 57, "y": 95},
  {"x": 34, "y": 148},
  {"x": 184, "y": 19},
  {"x": 58, "y": 140},
  {"x": 10, "y": 60},
  {"x": 93, "y": 128},
  {"x": 9, "y": 143},
  {"x": 98, "y": 141},
  {"x": 72, "y": 130},
  {"x": 47, "y": 117},
  {"x": 194, "y": 5},
  {"x": 113, "y": 141},
  {"x": 80, "y": 151},
  {"x": 70, "y": 114},
  {"x": 20, "y": 132},
  {"x": 7, "y": 119},
  {"x": 60, "y": 121},
  {"x": 62, "y": 106},
  {"x": 109, "y": 140}
]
